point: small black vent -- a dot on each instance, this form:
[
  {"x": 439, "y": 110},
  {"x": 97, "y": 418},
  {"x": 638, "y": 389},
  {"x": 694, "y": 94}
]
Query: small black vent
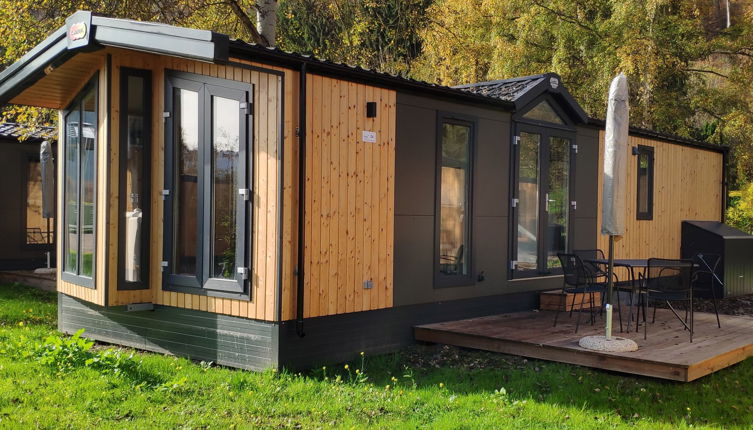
[{"x": 371, "y": 110}]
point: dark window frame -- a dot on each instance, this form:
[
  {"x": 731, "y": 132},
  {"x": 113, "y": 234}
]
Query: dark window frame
[
  {"x": 146, "y": 75},
  {"x": 77, "y": 278},
  {"x": 648, "y": 151},
  {"x": 202, "y": 283},
  {"x": 546, "y": 132},
  {"x": 444, "y": 280}
]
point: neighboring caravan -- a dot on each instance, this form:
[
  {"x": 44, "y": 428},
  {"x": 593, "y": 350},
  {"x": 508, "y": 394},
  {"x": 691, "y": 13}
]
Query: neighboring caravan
[
  {"x": 27, "y": 236},
  {"x": 258, "y": 208}
]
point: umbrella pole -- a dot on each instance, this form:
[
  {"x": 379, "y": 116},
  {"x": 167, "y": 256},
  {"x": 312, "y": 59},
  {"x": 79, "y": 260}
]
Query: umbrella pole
[{"x": 610, "y": 270}]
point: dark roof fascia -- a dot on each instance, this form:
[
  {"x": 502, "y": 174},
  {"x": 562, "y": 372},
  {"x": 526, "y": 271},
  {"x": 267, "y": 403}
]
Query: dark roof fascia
[
  {"x": 664, "y": 137},
  {"x": 202, "y": 45},
  {"x": 31, "y": 67},
  {"x": 240, "y": 49},
  {"x": 98, "y": 31},
  {"x": 560, "y": 93}
]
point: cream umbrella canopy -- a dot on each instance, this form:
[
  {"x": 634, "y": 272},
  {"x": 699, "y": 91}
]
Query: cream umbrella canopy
[{"x": 614, "y": 196}]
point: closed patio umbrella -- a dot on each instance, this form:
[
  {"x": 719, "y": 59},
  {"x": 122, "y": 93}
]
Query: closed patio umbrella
[
  {"x": 48, "y": 180},
  {"x": 614, "y": 195}
]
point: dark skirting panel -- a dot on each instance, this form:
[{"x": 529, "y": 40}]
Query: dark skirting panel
[
  {"x": 342, "y": 337},
  {"x": 225, "y": 340}
]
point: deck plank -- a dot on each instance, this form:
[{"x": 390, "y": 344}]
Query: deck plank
[{"x": 666, "y": 353}]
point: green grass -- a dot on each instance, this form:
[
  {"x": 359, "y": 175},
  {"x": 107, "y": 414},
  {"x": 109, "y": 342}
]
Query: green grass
[{"x": 433, "y": 387}]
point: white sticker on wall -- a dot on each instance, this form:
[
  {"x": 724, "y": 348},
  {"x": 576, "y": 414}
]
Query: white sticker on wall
[{"x": 368, "y": 136}]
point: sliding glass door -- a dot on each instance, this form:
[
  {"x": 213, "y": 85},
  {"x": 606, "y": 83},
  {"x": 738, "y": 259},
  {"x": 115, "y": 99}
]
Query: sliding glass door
[{"x": 541, "y": 199}]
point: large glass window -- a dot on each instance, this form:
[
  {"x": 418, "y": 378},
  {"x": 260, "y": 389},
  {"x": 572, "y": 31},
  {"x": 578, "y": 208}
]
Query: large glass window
[
  {"x": 79, "y": 173},
  {"x": 645, "y": 185},
  {"x": 454, "y": 203},
  {"x": 542, "y": 202},
  {"x": 135, "y": 138},
  {"x": 207, "y": 185}
]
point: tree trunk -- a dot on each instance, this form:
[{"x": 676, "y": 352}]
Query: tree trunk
[{"x": 266, "y": 20}]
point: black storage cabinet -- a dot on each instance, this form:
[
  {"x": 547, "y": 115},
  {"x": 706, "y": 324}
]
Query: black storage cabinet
[{"x": 735, "y": 269}]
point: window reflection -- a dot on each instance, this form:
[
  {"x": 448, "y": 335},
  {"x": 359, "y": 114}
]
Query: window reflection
[
  {"x": 454, "y": 200},
  {"x": 186, "y": 225}
]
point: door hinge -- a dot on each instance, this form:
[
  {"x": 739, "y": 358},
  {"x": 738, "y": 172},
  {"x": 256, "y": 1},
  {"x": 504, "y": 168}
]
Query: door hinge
[
  {"x": 165, "y": 193},
  {"x": 515, "y": 203},
  {"x": 166, "y": 114},
  {"x": 513, "y": 264},
  {"x": 515, "y": 140},
  {"x": 243, "y": 271},
  {"x": 574, "y": 204},
  {"x": 575, "y": 148},
  {"x": 245, "y": 193},
  {"x": 164, "y": 265},
  {"x": 247, "y": 107}
]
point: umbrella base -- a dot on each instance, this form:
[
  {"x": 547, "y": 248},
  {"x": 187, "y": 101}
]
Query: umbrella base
[{"x": 614, "y": 344}]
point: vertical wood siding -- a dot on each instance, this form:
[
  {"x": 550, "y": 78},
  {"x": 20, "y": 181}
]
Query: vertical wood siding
[
  {"x": 687, "y": 186},
  {"x": 94, "y": 295},
  {"x": 268, "y": 112},
  {"x": 349, "y": 203}
]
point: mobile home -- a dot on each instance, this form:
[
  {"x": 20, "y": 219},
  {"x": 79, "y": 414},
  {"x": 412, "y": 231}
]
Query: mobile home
[{"x": 259, "y": 208}]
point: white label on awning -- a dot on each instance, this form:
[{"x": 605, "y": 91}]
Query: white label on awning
[{"x": 368, "y": 136}]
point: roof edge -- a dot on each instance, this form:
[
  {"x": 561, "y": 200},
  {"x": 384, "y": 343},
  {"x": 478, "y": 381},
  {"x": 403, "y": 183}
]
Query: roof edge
[{"x": 665, "y": 137}]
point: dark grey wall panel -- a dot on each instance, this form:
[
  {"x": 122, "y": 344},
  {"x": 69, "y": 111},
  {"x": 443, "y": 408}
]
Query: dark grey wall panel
[
  {"x": 343, "y": 337},
  {"x": 415, "y": 160},
  {"x": 586, "y": 233},
  {"x": 414, "y": 253},
  {"x": 492, "y": 172},
  {"x": 415, "y": 174},
  {"x": 225, "y": 340},
  {"x": 586, "y": 173}
]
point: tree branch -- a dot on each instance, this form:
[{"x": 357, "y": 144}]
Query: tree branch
[
  {"x": 247, "y": 22},
  {"x": 707, "y": 71},
  {"x": 567, "y": 18}
]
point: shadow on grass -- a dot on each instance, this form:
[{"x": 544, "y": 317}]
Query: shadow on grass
[{"x": 721, "y": 399}]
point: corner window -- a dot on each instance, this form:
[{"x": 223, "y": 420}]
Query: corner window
[
  {"x": 645, "y": 183},
  {"x": 135, "y": 139},
  {"x": 79, "y": 175},
  {"x": 454, "y": 182},
  {"x": 207, "y": 185}
]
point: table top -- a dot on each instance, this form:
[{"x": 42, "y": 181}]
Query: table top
[{"x": 626, "y": 262}]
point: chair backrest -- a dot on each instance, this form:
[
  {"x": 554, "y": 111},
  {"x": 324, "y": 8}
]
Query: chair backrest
[
  {"x": 573, "y": 269},
  {"x": 706, "y": 269},
  {"x": 669, "y": 275},
  {"x": 590, "y": 254}
]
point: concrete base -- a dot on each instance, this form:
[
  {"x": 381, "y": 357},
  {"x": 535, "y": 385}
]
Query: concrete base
[{"x": 614, "y": 344}]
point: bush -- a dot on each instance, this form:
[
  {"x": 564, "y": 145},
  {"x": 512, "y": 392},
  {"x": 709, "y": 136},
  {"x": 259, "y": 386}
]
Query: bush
[
  {"x": 740, "y": 212},
  {"x": 63, "y": 354}
]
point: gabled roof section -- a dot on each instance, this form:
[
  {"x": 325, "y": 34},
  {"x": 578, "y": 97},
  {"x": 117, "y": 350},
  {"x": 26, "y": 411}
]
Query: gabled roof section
[
  {"x": 85, "y": 32},
  {"x": 524, "y": 90},
  {"x": 12, "y": 130}
]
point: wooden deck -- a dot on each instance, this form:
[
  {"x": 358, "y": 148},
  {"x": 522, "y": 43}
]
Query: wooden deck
[{"x": 666, "y": 353}]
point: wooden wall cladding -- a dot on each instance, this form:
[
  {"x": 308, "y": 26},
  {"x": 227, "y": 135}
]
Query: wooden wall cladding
[
  {"x": 266, "y": 230},
  {"x": 94, "y": 62},
  {"x": 687, "y": 186},
  {"x": 350, "y": 189}
]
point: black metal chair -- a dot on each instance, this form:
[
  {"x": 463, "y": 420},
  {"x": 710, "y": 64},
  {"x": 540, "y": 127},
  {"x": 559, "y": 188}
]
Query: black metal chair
[
  {"x": 668, "y": 281},
  {"x": 578, "y": 279},
  {"x": 705, "y": 277},
  {"x": 601, "y": 274}
]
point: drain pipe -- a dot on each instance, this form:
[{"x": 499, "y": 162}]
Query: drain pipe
[{"x": 301, "y": 197}]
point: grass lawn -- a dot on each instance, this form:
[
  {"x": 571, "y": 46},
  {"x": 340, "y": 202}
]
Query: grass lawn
[{"x": 426, "y": 387}]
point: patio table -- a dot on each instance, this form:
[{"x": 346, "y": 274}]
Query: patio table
[{"x": 630, "y": 264}]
